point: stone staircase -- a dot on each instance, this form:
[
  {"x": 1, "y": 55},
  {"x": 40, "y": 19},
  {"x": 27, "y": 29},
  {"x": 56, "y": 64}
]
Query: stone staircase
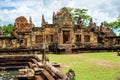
[{"x": 68, "y": 48}]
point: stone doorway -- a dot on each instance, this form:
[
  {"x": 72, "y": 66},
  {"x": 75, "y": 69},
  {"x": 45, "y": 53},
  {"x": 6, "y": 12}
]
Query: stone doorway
[{"x": 66, "y": 36}]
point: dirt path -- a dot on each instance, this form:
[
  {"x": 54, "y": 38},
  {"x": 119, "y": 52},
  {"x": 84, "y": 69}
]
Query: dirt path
[
  {"x": 100, "y": 62},
  {"x": 104, "y": 63},
  {"x": 87, "y": 59}
]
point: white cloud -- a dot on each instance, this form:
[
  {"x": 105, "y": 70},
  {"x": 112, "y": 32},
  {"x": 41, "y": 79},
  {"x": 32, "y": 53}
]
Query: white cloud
[
  {"x": 71, "y": 4},
  {"x": 101, "y": 10}
]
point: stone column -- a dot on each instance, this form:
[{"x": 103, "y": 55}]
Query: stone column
[
  {"x": 28, "y": 41},
  {"x": 60, "y": 37},
  {"x": 92, "y": 40},
  {"x": 1, "y": 43},
  {"x": 4, "y": 45},
  {"x": 82, "y": 37},
  {"x": 72, "y": 37},
  {"x": 33, "y": 39}
]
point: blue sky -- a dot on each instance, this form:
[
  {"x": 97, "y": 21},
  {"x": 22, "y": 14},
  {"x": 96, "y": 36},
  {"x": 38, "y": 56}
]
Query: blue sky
[{"x": 100, "y": 10}]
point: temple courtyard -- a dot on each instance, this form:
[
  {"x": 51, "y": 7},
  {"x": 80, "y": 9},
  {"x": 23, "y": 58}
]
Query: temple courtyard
[{"x": 90, "y": 66}]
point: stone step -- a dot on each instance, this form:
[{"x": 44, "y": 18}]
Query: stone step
[
  {"x": 68, "y": 50},
  {"x": 68, "y": 46}
]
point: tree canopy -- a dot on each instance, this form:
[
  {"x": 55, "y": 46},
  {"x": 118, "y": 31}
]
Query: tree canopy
[
  {"x": 114, "y": 24},
  {"x": 76, "y": 12},
  {"x": 7, "y": 29}
]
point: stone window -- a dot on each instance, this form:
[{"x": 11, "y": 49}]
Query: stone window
[
  {"x": 78, "y": 38},
  {"x": 51, "y": 36},
  {"x": 39, "y": 39},
  {"x": 100, "y": 40},
  {"x": 87, "y": 38}
]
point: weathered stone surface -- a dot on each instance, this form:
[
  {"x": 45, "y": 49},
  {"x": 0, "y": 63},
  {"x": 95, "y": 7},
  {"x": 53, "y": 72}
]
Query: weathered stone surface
[
  {"x": 62, "y": 31},
  {"x": 22, "y": 25}
]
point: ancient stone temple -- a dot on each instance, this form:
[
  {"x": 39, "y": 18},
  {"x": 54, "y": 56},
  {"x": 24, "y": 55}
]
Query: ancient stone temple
[
  {"x": 66, "y": 33},
  {"x": 62, "y": 31}
]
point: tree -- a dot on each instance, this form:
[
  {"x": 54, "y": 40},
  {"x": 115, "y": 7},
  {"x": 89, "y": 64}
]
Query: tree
[
  {"x": 114, "y": 24},
  {"x": 8, "y": 29},
  {"x": 118, "y": 18},
  {"x": 76, "y": 12}
]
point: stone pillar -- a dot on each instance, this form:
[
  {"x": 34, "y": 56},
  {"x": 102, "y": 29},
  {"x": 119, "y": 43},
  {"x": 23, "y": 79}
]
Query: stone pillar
[
  {"x": 14, "y": 43},
  {"x": 72, "y": 35},
  {"x": 1, "y": 43},
  {"x": 92, "y": 40},
  {"x": 28, "y": 42},
  {"x": 82, "y": 38},
  {"x": 60, "y": 37},
  {"x": 4, "y": 45},
  {"x": 33, "y": 39}
]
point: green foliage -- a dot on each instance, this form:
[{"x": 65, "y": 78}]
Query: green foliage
[
  {"x": 76, "y": 12},
  {"x": 118, "y": 18},
  {"x": 7, "y": 29},
  {"x": 114, "y": 24}
]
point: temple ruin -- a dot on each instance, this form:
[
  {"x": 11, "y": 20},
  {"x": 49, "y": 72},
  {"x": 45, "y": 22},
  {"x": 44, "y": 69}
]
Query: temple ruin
[
  {"x": 18, "y": 52},
  {"x": 62, "y": 31}
]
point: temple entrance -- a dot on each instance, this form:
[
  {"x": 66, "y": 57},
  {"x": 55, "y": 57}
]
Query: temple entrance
[
  {"x": 100, "y": 40},
  {"x": 66, "y": 36}
]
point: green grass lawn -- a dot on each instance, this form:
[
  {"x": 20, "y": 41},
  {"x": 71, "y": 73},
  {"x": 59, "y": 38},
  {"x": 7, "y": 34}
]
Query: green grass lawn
[{"x": 90, "y": 66}]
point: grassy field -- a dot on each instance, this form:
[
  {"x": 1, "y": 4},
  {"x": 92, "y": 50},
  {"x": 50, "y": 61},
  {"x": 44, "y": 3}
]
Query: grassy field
[{"x": 90, "y": 66}]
